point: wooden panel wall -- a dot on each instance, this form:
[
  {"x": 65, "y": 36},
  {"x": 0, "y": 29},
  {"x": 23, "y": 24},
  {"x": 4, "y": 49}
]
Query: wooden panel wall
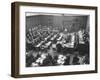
[{"x": 72, "y": 23}]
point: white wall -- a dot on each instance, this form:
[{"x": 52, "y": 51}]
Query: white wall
[{"x": 5, "y": 40}]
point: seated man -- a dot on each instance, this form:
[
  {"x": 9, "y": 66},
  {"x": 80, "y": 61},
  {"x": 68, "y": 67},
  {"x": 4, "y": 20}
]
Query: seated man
[
  {"x": 71, "y": 42},
  {"x": 61, "y": 60},
  {"x": 59, "y": 48},
  {"x": 75, "y": 60},
  {"x": 83, "y": 46},
  {"x": 80, "y": 35},
  {"x": 39, "y": 60},
  {"x": 29, "y": 59},
  {"x": 29, "y": 42}
]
